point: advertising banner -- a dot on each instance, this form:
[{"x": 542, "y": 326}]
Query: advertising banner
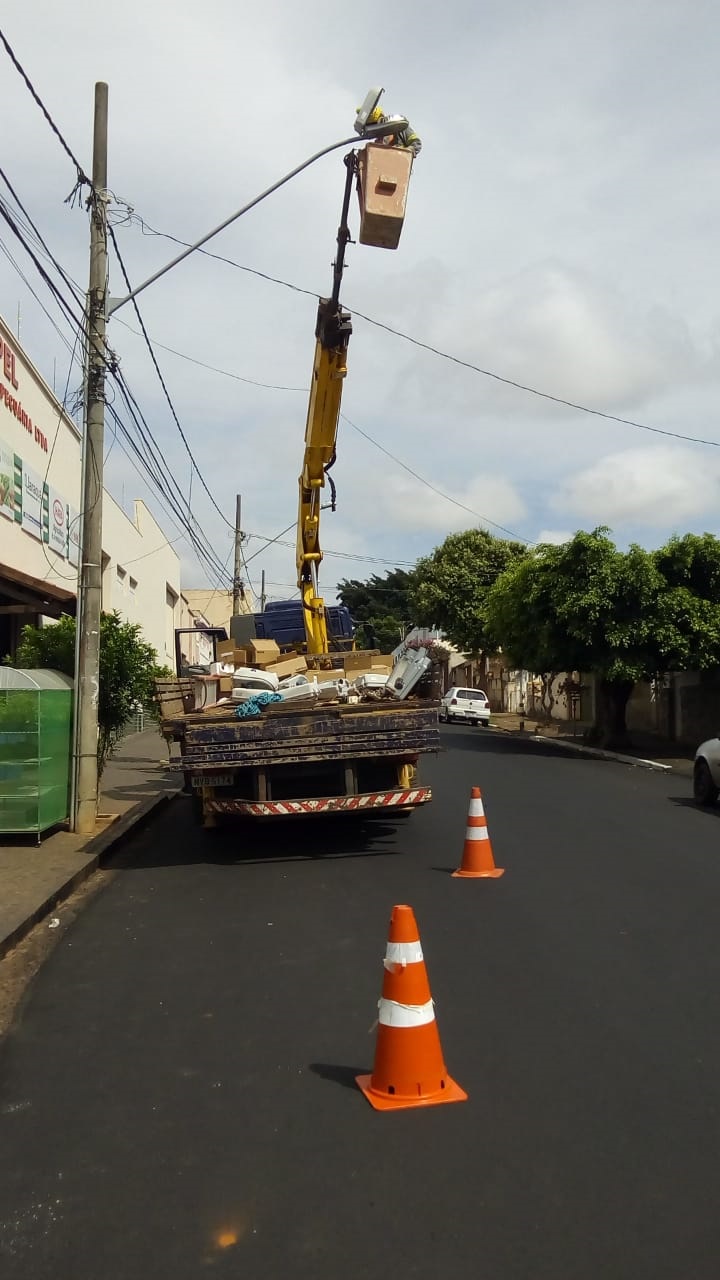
[
  {"x": 58, "y": 521},
  {"x": 8, "y": 494},
  {"x": 34, "y": 499}
]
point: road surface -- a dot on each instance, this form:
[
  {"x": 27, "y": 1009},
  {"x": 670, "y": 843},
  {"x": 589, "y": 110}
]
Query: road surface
[{"x": 178, "y": 1099}]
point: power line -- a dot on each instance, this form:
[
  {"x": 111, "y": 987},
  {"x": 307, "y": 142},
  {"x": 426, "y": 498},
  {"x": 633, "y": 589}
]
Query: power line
[
  {"x": 82, "y": 176},
  {"x": 445, "y": 355},
  {"x": 153, "y": 357},
  {"x": 149, "y": 456},
  {"x": 338, "y": 555},
  {"x": 428, "y": 484}
]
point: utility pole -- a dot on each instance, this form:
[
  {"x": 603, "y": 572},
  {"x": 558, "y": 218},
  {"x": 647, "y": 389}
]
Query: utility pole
[
  {"x": 238, "y": 591},
  {"x": 262, "y": 592},
  {"x": 87, "y": 674}
]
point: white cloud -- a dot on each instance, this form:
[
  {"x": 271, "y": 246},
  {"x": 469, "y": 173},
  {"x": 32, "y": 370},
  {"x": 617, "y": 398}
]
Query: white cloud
[
  {"x": 402, "y": 504},
  {"x": 566, "y": 248},
  {"x": 556, "y": 537},
  {"x": 657, "y": 487}
]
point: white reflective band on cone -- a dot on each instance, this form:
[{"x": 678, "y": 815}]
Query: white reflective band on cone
[
  {"x": 392, "y": 1014},
  {"x": 476, "y": 809},
  {"x": 403, "y": 953},
  {"x": 477, "y": 833}
]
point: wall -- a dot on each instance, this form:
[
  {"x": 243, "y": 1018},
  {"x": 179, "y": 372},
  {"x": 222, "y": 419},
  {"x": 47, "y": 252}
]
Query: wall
[
  {"x": 141, "y": 575},
  {"x": 40, "y": 488},
  {"x": 40, "y": 456},
  {"x": 696, "y": 699},
  {"x": 215, "y": 604}
]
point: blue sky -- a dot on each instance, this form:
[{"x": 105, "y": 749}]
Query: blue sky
[{"x": 561, "y": 232}]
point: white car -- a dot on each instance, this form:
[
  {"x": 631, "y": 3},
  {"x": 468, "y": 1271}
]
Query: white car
[
  {"x": 465, "y": 704},
  {"x": 706, "y": 772}
]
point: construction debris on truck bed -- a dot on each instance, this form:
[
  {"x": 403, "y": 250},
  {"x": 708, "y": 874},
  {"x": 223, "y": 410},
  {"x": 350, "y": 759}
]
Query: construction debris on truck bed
[{"x": 286, "y": 733}]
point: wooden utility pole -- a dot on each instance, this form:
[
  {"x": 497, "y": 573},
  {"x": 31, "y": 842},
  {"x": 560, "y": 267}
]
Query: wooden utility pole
[
  {"x": 238, "y": 592},
  {"x": 89, "y": 604}
]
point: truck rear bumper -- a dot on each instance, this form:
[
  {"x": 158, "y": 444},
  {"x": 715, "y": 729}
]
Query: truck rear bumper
[{"x": 370, "y": 801}]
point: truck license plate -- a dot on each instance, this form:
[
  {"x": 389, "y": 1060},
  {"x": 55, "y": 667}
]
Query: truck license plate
[{"x": 212, "y": 780}]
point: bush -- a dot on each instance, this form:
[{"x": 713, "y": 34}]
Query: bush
[{"x": 128, "y": 667}]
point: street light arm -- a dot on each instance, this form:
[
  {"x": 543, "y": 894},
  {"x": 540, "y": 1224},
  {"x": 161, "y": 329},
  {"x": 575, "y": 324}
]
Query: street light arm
[{"x": 114, "y": 304}]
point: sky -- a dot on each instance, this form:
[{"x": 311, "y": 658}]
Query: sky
[{"x": 560, "y": 233}]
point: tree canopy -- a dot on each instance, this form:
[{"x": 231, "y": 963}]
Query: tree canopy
[
  {"x": 624, "y": 616},
  {"x": 381, "y": 606},
  {"x": 451, "y": 585}
]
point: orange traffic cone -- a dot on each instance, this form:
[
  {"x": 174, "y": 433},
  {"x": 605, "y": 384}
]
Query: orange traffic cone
[
  {"x": 477, "y": 857},
  {"x": 409, "y": 1070}
]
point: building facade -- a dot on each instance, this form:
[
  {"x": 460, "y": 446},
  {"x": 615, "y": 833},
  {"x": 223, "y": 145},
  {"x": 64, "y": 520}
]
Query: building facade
[{"x": 40, "y": 522}]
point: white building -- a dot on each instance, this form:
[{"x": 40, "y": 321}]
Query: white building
[{"x": 40, "y": 501}]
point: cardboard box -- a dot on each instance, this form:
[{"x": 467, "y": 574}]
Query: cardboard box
[
  {"x": 383, "y": 663},
  {"x": 359, "y": 658},
  {"x": 224, "y": 650},
  {"x": 291, "y": 665},
  {"x": 225, "y": 686},
  {"x": 263, "y": 652}
]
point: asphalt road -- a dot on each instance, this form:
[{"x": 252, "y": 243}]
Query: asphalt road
[{"x": 178, "y": 1096}]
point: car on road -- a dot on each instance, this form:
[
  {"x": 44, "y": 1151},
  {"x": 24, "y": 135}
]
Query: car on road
[
  {"x": 465, "y": 704},
  {"x": 706, "y": 772}
]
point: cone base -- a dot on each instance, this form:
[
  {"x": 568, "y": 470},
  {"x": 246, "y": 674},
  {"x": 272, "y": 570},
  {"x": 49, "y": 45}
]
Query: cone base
[
  {"x": 493, "y": 874},
  {"x": 387, "y": 1102}
]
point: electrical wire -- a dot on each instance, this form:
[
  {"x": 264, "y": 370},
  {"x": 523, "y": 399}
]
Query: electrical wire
[
  {"x": 82, "y": 179},
  {"x": 428, "y": 484},
  {"x": 150, "y": 456},
  {"x": 445, "y": 355},
  {"x": 82, "y": 176},
  {"x": 163, "y": 384}
]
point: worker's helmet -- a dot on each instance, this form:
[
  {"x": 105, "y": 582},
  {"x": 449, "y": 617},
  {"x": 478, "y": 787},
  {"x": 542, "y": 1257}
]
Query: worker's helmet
[{"x": 376, "y": 115}]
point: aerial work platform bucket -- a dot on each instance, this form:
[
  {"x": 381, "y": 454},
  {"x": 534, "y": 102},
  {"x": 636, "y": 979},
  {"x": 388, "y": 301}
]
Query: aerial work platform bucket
[{"x": 383, "y": 180}]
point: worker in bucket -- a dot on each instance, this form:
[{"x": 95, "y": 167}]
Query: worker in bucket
[{"x": 407, "y": 137}]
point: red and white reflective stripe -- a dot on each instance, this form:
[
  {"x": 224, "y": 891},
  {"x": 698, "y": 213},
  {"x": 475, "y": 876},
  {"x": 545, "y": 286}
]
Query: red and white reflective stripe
[
  {"x": 329, "y": 804},
  {"x": 476, "y": 833},
  {"x": 392, "y": 1014},
  {"x": 402, "y": 953}
]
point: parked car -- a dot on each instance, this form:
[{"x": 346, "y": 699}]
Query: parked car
[
  {"x": 465, "y": 704},
  {"x": 706, "y": 772}
]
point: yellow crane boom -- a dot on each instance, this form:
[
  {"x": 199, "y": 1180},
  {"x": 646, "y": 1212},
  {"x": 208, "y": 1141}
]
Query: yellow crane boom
[{"x": 332, "y": 334}]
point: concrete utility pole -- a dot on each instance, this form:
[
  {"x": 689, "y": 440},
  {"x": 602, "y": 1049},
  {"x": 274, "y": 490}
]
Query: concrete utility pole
[
  {"x": 237, "y": 571},
  {"x": 262, "y": 592},
  {"x": 87, "y": 676}
]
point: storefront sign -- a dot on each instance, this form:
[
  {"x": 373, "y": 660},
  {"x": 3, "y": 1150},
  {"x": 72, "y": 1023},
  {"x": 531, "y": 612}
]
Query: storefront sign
[
  {"x": 34, "y": 504},
  {"x": 13, "y": 403},
  {"x": 58, "y": 523},
  {"x": 9, "y": 464}
]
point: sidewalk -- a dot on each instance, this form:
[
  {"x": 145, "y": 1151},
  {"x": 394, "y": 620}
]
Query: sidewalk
[
  {"x": 34, "y": 878},
  {"x": 677, "y": 756}
]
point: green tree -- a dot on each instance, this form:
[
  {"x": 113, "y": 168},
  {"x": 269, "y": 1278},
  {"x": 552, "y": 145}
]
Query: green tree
[
  {"x": 624, "y": 616},
  {"x": 128, "y": 667},
  {"x": 452, "y": 584},
  {"x": 382, "y": 606}
]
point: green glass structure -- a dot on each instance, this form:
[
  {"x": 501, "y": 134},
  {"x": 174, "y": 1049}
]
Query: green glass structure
[{"x": 36, "y": 710}]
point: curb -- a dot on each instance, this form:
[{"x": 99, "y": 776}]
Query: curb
[
  {"x": 98, "y": 847},
  {"x": 579, "y": 749}
]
